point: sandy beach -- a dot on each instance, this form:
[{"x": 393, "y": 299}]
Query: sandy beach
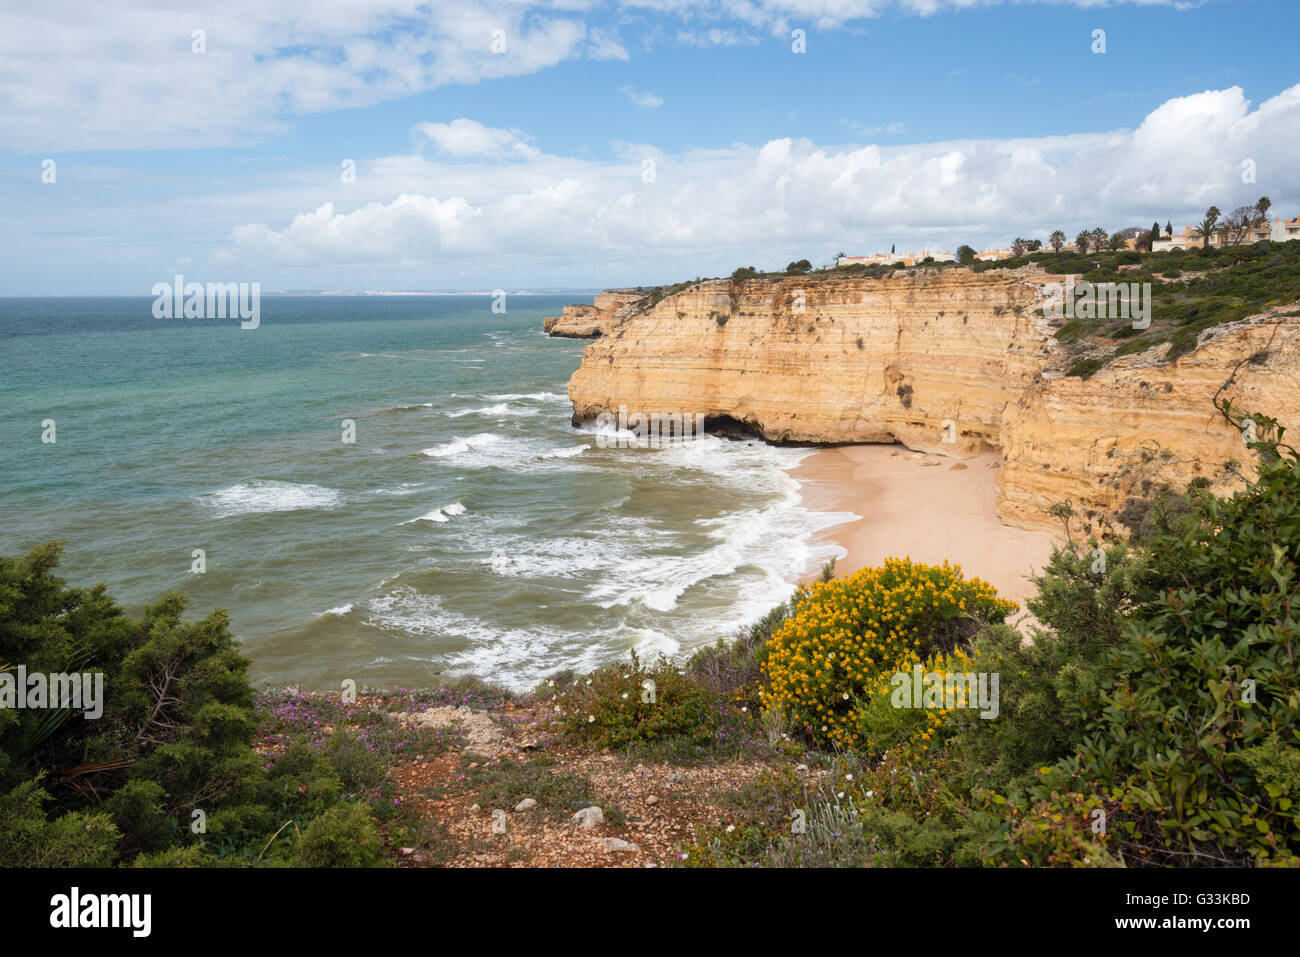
[{"x": 928, "y": 512}]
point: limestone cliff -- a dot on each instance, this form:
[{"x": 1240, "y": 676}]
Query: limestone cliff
[
  {"x": 950, "y": 362},
  {"x": 588, "y": 322},
  {"x": 1141, "y": 423}
]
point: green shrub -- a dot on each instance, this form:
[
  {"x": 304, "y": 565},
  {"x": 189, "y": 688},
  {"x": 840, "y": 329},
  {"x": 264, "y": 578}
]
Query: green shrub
[
  {"x": 1200, "y": 707},
  {"x": 344, "y": 836},
  {"x": 1050, "y": 688},
  {"x": 31, "y": 839},
  {"x": 1141, "y": 344},
  {"x": 301, "y": 784},
  {"x": 186, "y": 857},
  {"x": 175, "y": 737},
  {"x": 137, "y": 810},
  {"x": 177, "y": 724},
  {"x": 614, "y": 706}
]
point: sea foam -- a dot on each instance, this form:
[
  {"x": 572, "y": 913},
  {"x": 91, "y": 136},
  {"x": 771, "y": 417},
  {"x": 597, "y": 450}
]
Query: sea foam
[{"x": 248, "y": 498}]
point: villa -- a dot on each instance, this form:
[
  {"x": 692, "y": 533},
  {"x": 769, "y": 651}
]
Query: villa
[{"x": 1279, "y": 231}]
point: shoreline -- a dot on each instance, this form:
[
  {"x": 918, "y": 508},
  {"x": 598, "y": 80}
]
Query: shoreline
[{"x": 918, "y": 506}]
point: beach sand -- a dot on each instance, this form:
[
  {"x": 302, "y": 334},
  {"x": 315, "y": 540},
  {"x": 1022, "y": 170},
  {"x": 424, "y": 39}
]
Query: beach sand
[{"x": 926, "y": 512}]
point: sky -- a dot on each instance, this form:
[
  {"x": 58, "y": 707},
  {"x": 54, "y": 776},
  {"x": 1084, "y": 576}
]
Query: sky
[{"x": 393, "y": 145}]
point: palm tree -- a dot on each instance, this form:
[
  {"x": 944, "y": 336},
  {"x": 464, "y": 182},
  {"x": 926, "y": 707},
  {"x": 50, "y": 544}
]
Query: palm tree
[
  {"x": 1083, "y": 240},
  {"x": 1099, "y": 239},
  {"x": 1205, "y": 229},
  {"x": 1057, "y": 239}
]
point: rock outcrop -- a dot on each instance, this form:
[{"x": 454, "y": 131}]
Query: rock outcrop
[
  {"x": 950, "y": 362},
  {"x": 588, "y": 322},
  {"x": 1140, "y": 423}
]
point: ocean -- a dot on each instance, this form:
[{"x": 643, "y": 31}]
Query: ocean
[{"x": 469, "y": 528}]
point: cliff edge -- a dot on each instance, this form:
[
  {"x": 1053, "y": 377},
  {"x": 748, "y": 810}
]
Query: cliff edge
[
  {"x": 589, "y": 322},
  {"x": 951, "y": 362}
]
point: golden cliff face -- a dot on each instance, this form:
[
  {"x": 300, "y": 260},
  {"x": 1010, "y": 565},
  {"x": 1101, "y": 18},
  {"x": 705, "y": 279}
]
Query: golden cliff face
[
  {"x": 588, "y": 322},
  {"x": 949, "y": 362},
  {"x": 842, "y": 360},
  {"x": 1140, "y": 423}
]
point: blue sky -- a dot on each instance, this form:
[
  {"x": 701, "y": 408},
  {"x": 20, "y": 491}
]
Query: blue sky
[{"x": 920, "y": 123}]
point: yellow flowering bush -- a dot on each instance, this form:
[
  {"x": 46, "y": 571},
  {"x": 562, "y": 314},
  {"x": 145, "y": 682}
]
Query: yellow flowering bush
[
  {"x": 851, "y": 635},
  {"x": 875, "y": 725}
]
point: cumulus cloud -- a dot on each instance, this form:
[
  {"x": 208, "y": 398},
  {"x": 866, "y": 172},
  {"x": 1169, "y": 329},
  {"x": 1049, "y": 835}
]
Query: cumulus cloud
[{"x": 766, "y": 202}]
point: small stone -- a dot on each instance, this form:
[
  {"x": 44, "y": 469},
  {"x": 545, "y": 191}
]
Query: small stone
[
  {"x": 652, "y": 799},
  {"x": 960, "y": 466},
  {"x": 474, "y": 809},
  {"x": 589, "y": 817},
  {"x": 525, "y": 804},
  {"x": 674, "y": 778},
  {"x": 408, "y": 851},
  {"x": 801, "y": 767},
  {"x": 615, "y": 844}
]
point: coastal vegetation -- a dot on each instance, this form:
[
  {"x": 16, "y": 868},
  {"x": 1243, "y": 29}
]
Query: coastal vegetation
[{"x": 1152, "y": 720}]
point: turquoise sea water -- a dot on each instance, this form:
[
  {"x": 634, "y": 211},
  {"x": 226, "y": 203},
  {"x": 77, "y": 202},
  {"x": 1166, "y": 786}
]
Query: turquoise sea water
[{"x": 470, "y": 527}]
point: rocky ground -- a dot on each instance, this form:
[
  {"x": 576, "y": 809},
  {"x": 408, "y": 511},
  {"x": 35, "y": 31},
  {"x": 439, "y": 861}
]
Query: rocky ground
[{"x": 501, "y": 790}]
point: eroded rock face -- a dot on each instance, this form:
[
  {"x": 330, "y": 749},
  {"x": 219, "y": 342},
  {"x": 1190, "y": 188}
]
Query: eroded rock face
[
  {"x": 949, "y": 362},
  {"x": 1140, "y": 423},
  {"x": 588, "y": 322},
  {"x": 926, "y": 359}
]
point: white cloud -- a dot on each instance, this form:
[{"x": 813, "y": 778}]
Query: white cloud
[
  {"x": 779, "y": 16},
  {"x": 84, "y": 74},
  {"x": 605, "y": 45},
  {"x": 90, "y": 75},
  {"x": 715, "y": 37},
  {"x": 464, "y": 137},
  {"x": 895, "y": 128},
  {"x": 708, "y": 208},
  {"x": 645, "y": 100}
]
